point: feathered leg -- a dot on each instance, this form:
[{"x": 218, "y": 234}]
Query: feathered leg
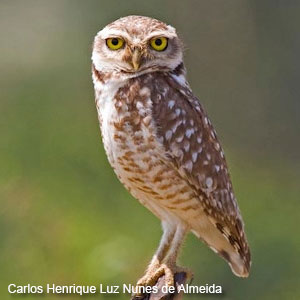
[{"x": 164, "y": 260}]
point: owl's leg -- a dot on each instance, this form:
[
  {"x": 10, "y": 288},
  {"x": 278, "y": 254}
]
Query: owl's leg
[
  {"x": 171, "y": 257},
  {"x": 164, "y": 260},
  {"x": 150, "y": 276}
]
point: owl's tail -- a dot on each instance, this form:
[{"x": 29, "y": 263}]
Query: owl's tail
[{"x": 237, "y": 257}]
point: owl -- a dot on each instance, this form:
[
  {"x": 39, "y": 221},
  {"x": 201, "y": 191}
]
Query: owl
[{"x": 162, "y": 145}]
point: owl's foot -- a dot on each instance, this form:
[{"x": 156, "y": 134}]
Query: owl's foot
[
  {"x": 151, "y": 277},
  {"x": 154, "y": 273}
]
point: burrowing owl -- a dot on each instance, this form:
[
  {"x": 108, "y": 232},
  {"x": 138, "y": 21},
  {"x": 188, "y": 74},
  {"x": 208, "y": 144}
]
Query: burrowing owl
[{"x": 162, "y": 145}]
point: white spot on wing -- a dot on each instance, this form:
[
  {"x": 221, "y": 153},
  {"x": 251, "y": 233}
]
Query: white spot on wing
[
  {"x": 189, "y": 132},
  {"x": 174, "y": 128},
  {"x": 186, "y": 146},
  {"x": 213, "y": 134},
  {"x": 171, "y": 104},
  {"x": 177, "y": 111},
  {"x": 209, "y": 182},
  {"x": 194, "y": 156},
  {"x": 217, "y": 146},
  {"x": 179, "y": 138},
  {"x": 188, "y": 165},
  {"x": 168, "y": 134},
  {"x": 180, "y": 79}
]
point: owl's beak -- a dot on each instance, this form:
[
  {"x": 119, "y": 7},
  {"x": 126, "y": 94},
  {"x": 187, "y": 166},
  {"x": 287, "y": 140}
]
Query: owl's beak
[{"x": 136, "y": 58}]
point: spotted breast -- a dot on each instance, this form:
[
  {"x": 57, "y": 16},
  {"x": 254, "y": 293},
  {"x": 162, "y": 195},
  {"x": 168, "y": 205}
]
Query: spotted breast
[{"x": 166, "y": 154}]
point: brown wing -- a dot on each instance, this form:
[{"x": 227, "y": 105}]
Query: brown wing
[{"x": 194, "y": 150}]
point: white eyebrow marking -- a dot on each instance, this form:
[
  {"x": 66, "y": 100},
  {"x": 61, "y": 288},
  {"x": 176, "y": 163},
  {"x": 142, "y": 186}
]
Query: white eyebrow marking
[
  {"x": 160, "y": 33},
  {"x": 108, "y": 32}
]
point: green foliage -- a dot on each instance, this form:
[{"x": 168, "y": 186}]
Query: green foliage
[{"x": 65, "y": 218}]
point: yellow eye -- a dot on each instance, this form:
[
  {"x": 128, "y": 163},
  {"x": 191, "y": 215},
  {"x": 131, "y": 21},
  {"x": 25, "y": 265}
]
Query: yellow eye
[
  {"x": 114, "y": 43},
  {"x": 159, "y": 43}
]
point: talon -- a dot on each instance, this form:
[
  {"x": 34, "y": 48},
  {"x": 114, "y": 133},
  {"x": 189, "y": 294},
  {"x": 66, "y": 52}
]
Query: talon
[{"x": 152, "y": 276}]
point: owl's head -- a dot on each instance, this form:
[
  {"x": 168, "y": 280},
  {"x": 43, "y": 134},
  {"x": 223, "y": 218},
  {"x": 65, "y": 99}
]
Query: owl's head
[{"x": 134, "y": 45}]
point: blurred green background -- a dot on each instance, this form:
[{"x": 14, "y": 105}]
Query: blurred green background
[{"x": 65, "y": 218}]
